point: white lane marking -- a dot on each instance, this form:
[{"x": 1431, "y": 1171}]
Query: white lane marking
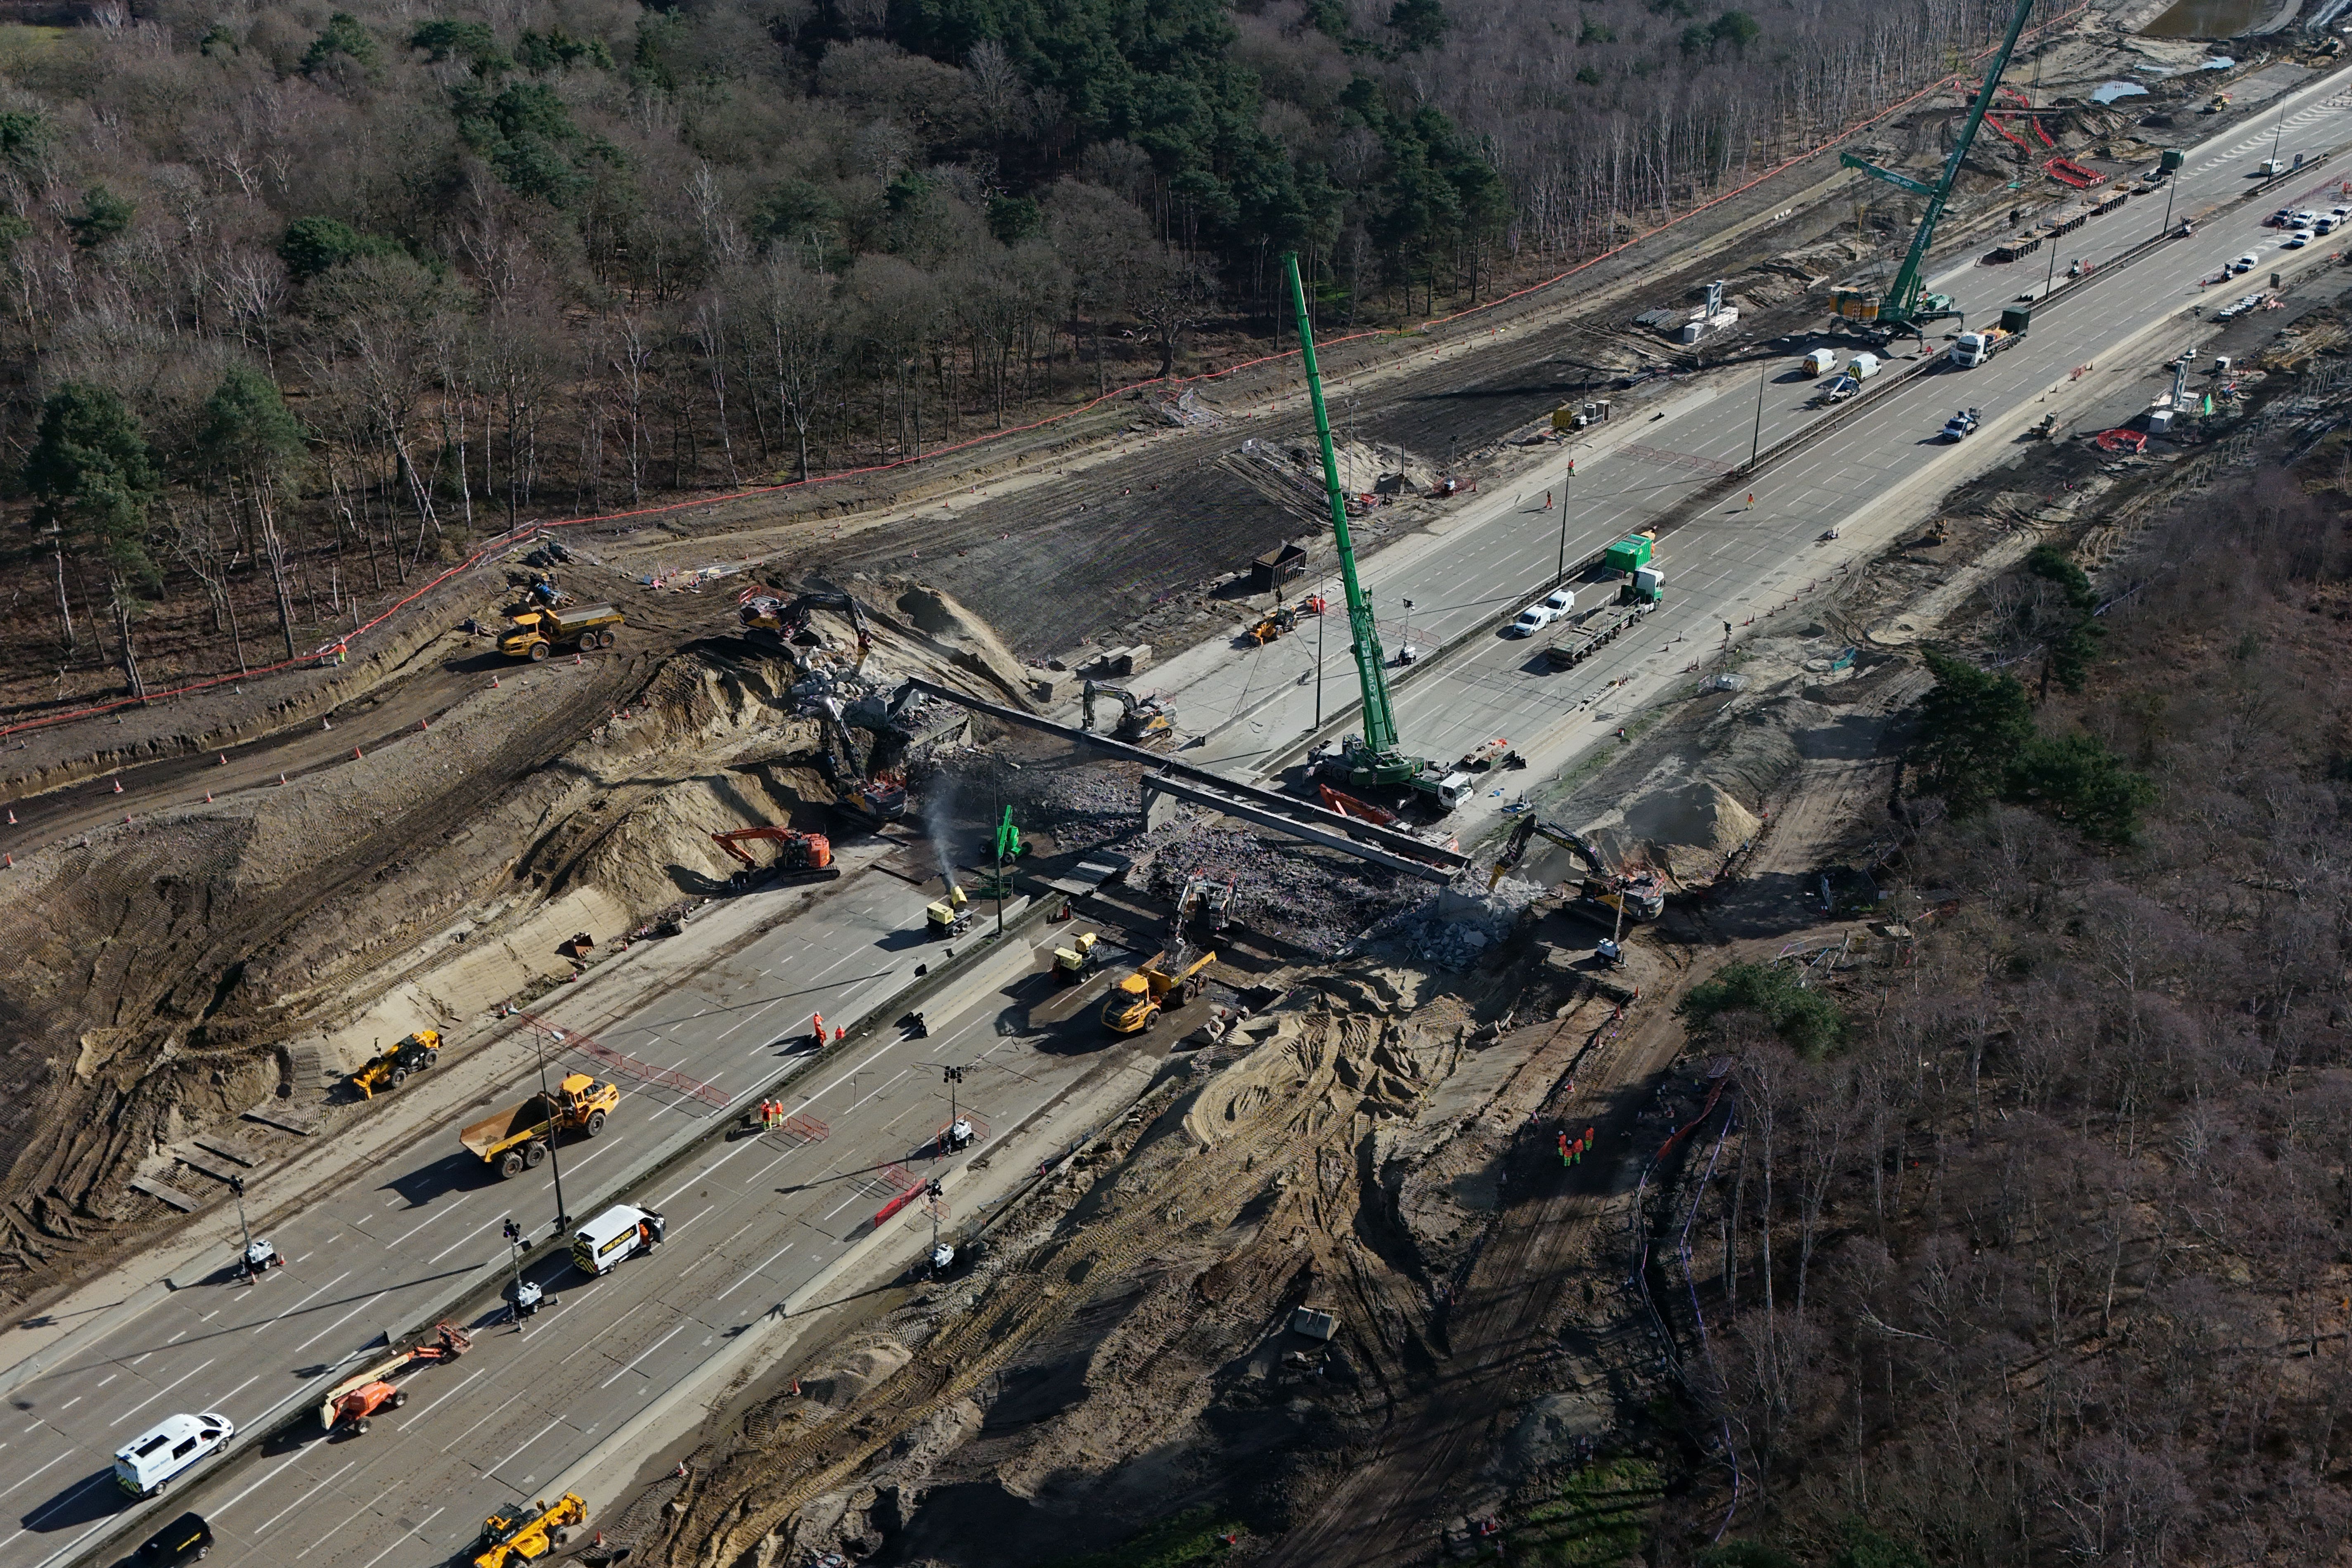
[
  {"x": 289, "y": 1312},
  {"x": 352, "y": 1515},
  {"x": 419, "y": 1414},
  {"x": 60, "y": 1460},
  {"x": 526, "y": 1443},
  {"x": 397, "y": 1545},
  {"x": 165, "y": 1389},
  {"x": 265, "y": 1480},
  {"x": 264, "y": 1526},
  {"x": 339, "y": 1322},
  {"x": 748, "y": 1277},
  {"x": 638, "y": 1357}
]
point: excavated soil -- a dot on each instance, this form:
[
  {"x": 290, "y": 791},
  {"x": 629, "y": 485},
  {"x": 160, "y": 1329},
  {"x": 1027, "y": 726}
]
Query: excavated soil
[{"x": 173, "y": 972}]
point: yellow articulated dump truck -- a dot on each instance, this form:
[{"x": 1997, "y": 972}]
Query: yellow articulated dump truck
[
  {"x": 390, "y": 1071},
  {"x": 524, "y": 1535},
  {"x": 515, "y": 1140},
  {"x": 1165, "y": 980},
  {"x": 536, "y": 633}
]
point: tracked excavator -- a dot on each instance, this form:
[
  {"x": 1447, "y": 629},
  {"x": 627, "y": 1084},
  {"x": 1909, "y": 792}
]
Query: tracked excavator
[
  {"x": 1140, "y": 718},
  {"x": 800, "y": 857},
  {"x": 767, "y": 616},
  {"x": 1607, "y": 895},
  {"x": 877, "y": 795}
]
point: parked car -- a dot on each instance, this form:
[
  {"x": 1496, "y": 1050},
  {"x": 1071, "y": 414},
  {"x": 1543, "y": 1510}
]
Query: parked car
[
  {"x": 1559, "y": 601},
  {"x": 2324, "y": 226},
  {"x": 1533, "y": 619},
  {"x": 2245, "y": 263},
  {"x": 2298, "y": 239},
  {"x": 1960, "y": 425},
  {"x": 142, "y": 1464}
]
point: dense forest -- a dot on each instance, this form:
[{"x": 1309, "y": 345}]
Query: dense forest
[
  {"x": 2032, "y": 1248},
  {"x": 294, "y": 301}
]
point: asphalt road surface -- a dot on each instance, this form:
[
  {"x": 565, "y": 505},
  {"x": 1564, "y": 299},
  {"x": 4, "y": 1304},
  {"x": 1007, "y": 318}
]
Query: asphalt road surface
[
  {"x": 1500, "y": 551},
  {"x": 752, "y": 1219}
]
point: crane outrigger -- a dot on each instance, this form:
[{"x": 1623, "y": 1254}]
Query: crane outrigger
[{"x": 1906, "y": 306}]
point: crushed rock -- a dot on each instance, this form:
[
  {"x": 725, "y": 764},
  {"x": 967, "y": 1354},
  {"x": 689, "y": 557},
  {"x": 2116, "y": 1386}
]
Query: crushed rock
[{"x": 1461, "y": 925}]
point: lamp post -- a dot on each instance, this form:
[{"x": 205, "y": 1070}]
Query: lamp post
[
  {"x": 1756, "y": 442},
  {"x": 515, "y": 1245},
  {"x": 1407, "y": 648},
  {"x": 237, "y": 1185},
  {"x": 554, "y": 1159},
  {"x": 1560, "y": 572}
]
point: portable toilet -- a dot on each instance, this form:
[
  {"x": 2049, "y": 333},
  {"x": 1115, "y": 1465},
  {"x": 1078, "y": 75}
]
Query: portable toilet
[
  {"x": 1821, "y": 362},
  {"x": 1628, "y": 555}
]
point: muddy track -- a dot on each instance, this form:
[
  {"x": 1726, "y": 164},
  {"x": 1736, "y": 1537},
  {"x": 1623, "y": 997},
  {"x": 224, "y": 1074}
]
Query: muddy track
[
  {"x": 1559, "y": 1225},
  {"x": 1020, "y": 1305}
]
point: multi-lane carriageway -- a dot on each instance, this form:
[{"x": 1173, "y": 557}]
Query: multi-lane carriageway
[
  {"x": 1872, "y": 477},
  {"x": 754, "y": 1222}
]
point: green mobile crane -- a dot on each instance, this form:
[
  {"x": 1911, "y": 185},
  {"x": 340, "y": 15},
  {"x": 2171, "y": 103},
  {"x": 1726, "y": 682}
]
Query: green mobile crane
[
  {"x": 1908, "y": 307},
  {"x": 1372, "y": 760}
]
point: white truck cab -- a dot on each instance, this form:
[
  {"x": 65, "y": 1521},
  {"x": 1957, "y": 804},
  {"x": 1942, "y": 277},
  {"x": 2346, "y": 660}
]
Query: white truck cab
[
  {"x": 142, "y": 1464},
  {"x": 620, "y": 1232}
]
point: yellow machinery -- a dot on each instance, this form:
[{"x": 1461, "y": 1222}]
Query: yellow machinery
[
  {"x": 1075, "y": 961},
  {"x": 515, "y": 1138},
  {"x": 1140, "y": 718},
  {"x": 390, "y": 1071},
  {"x": 519, "y": 1535},
  {"x": 948, "y": 917},
  {"x": 534, "y": 634},
  {"x": 1165, "y": 980}
]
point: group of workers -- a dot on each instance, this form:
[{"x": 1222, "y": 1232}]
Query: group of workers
[{"x": 1573, "y": 1154}]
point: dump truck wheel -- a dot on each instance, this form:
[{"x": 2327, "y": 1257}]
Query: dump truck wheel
[
  {"x": 538, "y": 653},
  {"x": 608, "y": 638},
  {"x": 359, "y": 1428},
  {"x": 1151, "y": 1020},
  {"x": 595, "y": 1122},
  {"x": 510, "y": 1162},
  {"x": 535, "y": 1155}
]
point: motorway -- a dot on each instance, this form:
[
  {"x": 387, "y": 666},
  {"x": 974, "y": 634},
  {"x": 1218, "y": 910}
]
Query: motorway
[
  {"x": 1871, "y": 478},
  {"x": 753, "y": 1219}
]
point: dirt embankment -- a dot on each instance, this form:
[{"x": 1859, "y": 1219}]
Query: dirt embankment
[{"x": 172, "y": 973}]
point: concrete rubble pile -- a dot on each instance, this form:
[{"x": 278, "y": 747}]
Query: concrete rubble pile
[
  {"x": 1319, "y": 900},
  {"x": 1458, "y": 927}
]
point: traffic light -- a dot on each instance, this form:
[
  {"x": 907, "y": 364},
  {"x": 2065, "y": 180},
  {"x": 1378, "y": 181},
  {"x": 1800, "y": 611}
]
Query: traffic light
[
  {"x": 513, "y": 1233},
  {"x": 934, "y": 1189}
]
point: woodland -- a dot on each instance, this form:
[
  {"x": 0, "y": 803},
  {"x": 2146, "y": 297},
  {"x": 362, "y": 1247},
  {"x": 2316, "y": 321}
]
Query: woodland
[
  {"x": 297, "y": 301},
  {"x": 2031, "y": 1248}
]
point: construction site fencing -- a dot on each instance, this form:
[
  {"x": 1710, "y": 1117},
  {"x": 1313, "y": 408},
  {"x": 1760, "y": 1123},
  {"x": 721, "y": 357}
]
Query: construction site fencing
[{"x": 515, "y": 540}]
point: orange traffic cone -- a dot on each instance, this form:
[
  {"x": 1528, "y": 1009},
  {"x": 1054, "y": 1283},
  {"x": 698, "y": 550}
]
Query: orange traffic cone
[
  {"x": 494, "y": 683},
  {"x": 224, "y": 756},
  {"x": 355, "y": 753},
  {"x": 209, "y": 797},
  {"x": 118, "y": 786},
  {"x": 281, "y": 778},
  {"x": 12, "y": 819}
]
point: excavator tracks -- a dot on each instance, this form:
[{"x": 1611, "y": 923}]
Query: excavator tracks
[{"x": 1046, "y": 1289}]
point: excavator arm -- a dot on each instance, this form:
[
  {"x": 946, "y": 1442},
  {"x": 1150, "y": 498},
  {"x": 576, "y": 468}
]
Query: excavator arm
[{"x": 1531, "y": 828}]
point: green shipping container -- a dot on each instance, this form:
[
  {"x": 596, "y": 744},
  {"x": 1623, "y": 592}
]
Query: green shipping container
[{"x": 1627, "y": 553}]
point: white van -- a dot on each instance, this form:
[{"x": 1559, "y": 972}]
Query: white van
[
  {"x": 1821, "y": 362},
  {"x": 171, "y": 1446},
  {"x": 621, "y": 1231},
  {"x": 1861, "y": 367}
]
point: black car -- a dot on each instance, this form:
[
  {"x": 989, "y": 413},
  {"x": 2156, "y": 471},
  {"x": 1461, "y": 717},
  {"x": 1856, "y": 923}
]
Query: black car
[{"x": 187, "y": 1539}]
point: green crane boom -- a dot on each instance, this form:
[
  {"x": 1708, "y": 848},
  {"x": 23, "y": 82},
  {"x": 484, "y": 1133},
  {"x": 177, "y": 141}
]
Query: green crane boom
[
  {"x": 1906, "y": 304},
  {"x": 1376, "y": 759}
]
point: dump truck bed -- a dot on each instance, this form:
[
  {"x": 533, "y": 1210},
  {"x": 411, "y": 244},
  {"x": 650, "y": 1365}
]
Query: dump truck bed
[
  {"x": 573, "y": 618},
  {"x": 485, "y": 1136}
]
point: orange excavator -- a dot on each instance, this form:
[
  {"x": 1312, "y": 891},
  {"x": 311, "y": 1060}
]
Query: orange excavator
[{"x": 803, "y": 857}]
